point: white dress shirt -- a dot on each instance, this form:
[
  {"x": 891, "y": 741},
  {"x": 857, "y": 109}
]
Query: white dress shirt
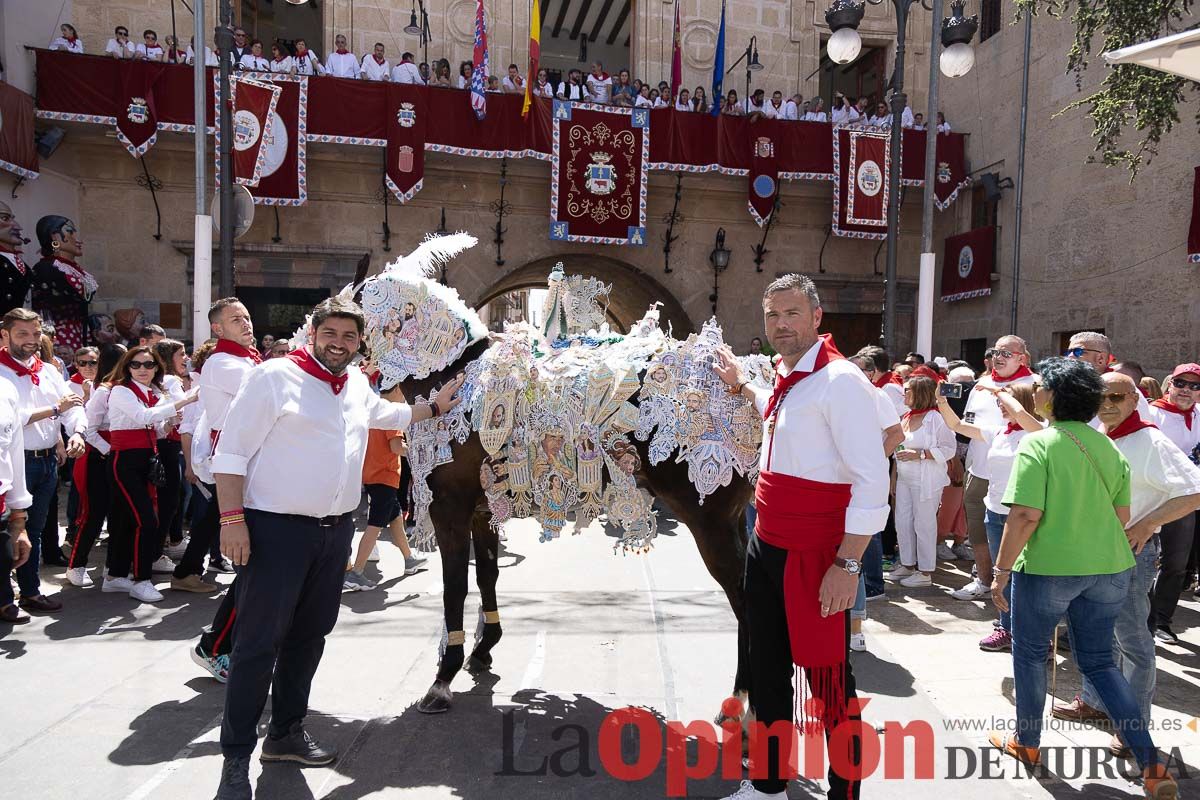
[
  {"x": 115, "y": 48},
  {"x": 255, "y": 63},
  {"x": 887, "y": 413},
  {"x": 982, "y": 404},
  {"x": 790, "y": 110},
  {"x": 772, "y": 111},
  {"x": 50, "y": 390},
  {"x": 283, "y": 66},
  {"x": 506, "y": 83},
  {"x": 840, "y": 116},
  {"x": 906, "y": 118},
  {"x": 12, "y": 450},
  {"x": 407, "y": 72},
  {"x": 895, "y": 393},
  {"x": 659, "y": 102},
  {"x": 569, "y": 91},
  {"x": 220, "y": 380},
  {"x": 823, "y": 432},
  {"x": 154, "y": 52},
  {"x": 308, "y": 64},
  {"x": 816, "y": 116},
  {"x": 372, "y": 70},
  {"x": 1175, "y": 427},
  {"x": 96, "y": 412},
  {"x": 210, "y": 58},
  {"x": 642, "y": 102},
  {"x": 126, "y": 412},
  {"x": 342, "y": 65},
  {"x": 1158, "y": 471},
  {"x": 61, "y": 43},
  {"x": 300, "y": 446}
]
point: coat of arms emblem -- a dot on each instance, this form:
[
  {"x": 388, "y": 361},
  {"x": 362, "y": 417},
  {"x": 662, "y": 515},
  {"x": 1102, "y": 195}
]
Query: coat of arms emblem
[
  {"x": 406, "y": 115},
  {"x": 943, "y": 172},
  {"x": 601, "y": 175},
  {"x": 764, "y": 147},
  {"x": 246, "y": 129},
  {"x": 966, "y": 260},
  {"x": 138, "y": 112}
]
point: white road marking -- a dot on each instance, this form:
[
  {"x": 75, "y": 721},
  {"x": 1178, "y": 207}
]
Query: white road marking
[
  {"x": 209, "y": 733},
  {"x": 532, "y": 679},
  {"x": 660, "y": 636}
]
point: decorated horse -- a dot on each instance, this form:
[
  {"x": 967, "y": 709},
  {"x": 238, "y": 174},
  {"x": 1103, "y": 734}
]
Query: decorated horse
[{"x": 566, "y": 423}]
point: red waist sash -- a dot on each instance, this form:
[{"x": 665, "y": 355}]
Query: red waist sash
[
  {"x": 135, "y": 439},
  {"x": 808, "y": 519}
]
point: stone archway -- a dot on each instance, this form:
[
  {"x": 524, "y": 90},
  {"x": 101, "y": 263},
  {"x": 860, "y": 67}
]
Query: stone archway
[{"x": 633, "y": 290}]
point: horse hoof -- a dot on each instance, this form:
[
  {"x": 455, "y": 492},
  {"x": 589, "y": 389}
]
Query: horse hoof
[
  {"x": 436, "y": 700},
  {"x": 478, "y": 663}
]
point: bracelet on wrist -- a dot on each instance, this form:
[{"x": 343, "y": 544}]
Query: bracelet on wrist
[
  {"x": 226, "y": 521},
  {"x": 1002, "y": 570},
  {"x": 433, "y": 408},
  {"x": 737, "y": 388}
]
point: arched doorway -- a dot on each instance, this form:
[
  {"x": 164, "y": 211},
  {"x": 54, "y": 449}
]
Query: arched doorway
[{"x": 633, "y": 290}]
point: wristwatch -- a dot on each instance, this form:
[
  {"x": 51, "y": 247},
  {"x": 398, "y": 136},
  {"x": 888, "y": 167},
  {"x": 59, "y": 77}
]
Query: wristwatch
[{"x": 851, "y": 565}]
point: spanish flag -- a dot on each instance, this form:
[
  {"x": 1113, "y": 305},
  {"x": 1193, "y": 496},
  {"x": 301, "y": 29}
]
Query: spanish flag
[{"x": 535, "y": 50}]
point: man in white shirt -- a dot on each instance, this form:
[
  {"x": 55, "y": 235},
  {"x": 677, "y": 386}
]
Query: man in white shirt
[
  {"x": 120, "y": 46},
  {"x": 572, "y": 88},
  {"x": 15, "y": 547},
  {"x": 149, "y": 48},
  {"x": 513, "y": 83},
  {"x": 374, "y": 66},
  {"x": 306, "y": 60},
  {"x": 241, "y": 45},
  {"x": 406, "y": 71},
  {"x": 1095, "y": 349},
  {"x": 1177, "y": 416},
  {"x": 599, "y": 84},
  {"x": 919, "y": 121},
  {"x": 341, "y": 62},
  {"x": 289, "y": 473},
  {"x": 46, "y": 406},
  {"x": 1009, "y": 366},
  {"x": 1164, "y": 487},
  {"x": 791, "y": 109},
  {"x": 774, "y": 109},
  {"x": 755, "y": 102},
  {"x": 822, "y": 494}
]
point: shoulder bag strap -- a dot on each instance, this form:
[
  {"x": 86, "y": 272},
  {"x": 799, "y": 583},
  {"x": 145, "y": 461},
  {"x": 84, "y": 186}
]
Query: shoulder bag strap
[{"x": 1091, "y": 460}]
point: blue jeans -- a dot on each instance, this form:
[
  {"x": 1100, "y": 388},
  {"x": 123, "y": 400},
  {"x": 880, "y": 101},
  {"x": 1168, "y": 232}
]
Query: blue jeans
[
  {"x": 1134, "y": 649},
  {"x": 751, "y": 518},
  {"x": 872, "y": 565},
  {"x": 859, "y": 611},
  {"x": 41, "y": 479},
  {"x": 1091, "y": 604},
  {"x": 994, "y": 525}
]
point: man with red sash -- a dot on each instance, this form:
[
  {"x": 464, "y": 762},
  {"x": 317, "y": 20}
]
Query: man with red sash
[
  {"x": 1164, "y": 487},
  {"x": 289, "y": 477},
  {"x": 822, "y": 493},
  {"x": 1176, "y": 414},
  {"x": 222, "y": 376}
]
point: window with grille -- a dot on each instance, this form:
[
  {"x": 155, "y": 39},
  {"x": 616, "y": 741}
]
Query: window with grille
[{"x": 989, "y": 19}]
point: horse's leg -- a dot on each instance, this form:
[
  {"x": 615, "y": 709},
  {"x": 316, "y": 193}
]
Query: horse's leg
[
  {"x": 453, "y": 528},
  {"x": 487, "y": 572}
]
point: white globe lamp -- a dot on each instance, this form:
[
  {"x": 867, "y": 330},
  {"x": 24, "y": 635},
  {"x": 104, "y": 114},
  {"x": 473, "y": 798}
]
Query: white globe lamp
[{"x": 844, "y": 45}]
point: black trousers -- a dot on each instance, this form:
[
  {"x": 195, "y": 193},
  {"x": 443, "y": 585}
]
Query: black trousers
[
  {"x": 51, "y": 549},
  {"x": 1175, "y": 540},
  {"x": 204, "y": 531},
  {"x": 288, "y": 597},
  {"x": 169, "y": 494},
  {"x": 133, "y": 545},
  {"x": 218, "y": 639},
  {"x": 771, "y": 667},
  {"x": 94, "y": 491}
]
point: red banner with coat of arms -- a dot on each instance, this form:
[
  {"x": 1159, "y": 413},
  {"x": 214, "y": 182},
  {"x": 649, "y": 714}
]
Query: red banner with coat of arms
[
  {"x": 253, "y": 118},
  {"x": 764, "y": 179},
  {"x": 406, "y": 121},
  {"x": 137, "y": 119},
  {"x": 861, "y": 161},
  {"x": 967, "y": 265},
  {"x": 598, "y": 176},
  {"x": 283, "y": 175}
]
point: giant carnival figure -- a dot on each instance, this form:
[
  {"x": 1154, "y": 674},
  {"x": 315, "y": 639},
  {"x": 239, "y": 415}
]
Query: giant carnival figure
[
  {"x": 62, "y": 289},
  {"x": 564, "y": 424},
  {"x": 15, "y": 276}
]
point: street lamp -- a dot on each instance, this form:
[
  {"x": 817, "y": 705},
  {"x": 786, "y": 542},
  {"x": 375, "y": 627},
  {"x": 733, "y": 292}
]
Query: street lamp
[
  {"x": 843, "y": 18},
  {"x": 415, "y": 28},
  {"x": 750, "y": 56},
  {"x": 719, "y": 258}
]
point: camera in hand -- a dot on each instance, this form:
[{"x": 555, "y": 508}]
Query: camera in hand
[{"x": 948, "y": 389}]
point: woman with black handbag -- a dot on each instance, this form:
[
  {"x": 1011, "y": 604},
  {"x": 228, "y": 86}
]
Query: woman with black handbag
[{"x": 139, "y": 412}]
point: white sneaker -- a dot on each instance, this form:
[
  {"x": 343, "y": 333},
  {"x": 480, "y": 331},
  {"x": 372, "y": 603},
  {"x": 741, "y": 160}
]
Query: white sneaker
[
  {"x": 79, "y": 577},
  {"x": 900, "y": 571},
  {"x": 163, "y": 565},
  {"x": 858, "y": 642},
  {"x": 972, "y": 591},
  {"x": 944, "y": 553},
  {"x": 917, "y": 580},
  {"x": 145, "y": 591},
  {"x": 964, "y": 551},
  {"x": 112, "y": 584},
  {"x": 747, "y": 792},
  {"x": 374, "y": 553},
  {"x": 176, "y": 551}
]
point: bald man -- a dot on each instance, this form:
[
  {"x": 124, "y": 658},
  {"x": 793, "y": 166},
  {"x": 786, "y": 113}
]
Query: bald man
[
  {"x": 14, "y": 274},
  {"x": 1164, "y": 487}
]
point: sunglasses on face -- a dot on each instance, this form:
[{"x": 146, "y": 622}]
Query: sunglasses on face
[
  {"x": 1077, "y": 352},
  {"x": 122, "y": 33},
  {"x": 86, "y": 363},
  {"x": 1004, "y": 354},
  {"x": 1114, "y": 398},
  {"x": 142, "y": 365},
  {"x": 1180, "y": 383}
]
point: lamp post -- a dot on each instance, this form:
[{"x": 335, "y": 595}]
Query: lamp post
[
  {"x": 223, "y": 37},
  {"x": 719, "y": 258},
  {"x": 843, "y": 47},
  {"x": 413, "y": 28},
  {"x": 750, "y": 56}
]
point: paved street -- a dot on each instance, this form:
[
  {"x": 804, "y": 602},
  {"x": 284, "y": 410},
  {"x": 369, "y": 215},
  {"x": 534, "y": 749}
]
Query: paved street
[{"x": 102, "y": 700}]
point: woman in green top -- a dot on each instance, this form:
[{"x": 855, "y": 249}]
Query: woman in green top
[{"x": 1065, "y": 550}]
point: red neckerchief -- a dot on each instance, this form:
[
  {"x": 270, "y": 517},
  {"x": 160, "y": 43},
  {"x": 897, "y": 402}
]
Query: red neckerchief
[
  {"x": 915, "y": 413},
  {"x": 21, "y": 268},
  {"x": 603, "y": 76},
  {"x": 1145, "y": 394},
  {"x": 234, "y": 349},
  {"x": 378, "y": 59},
  {"x": 825, "y": 353},
  {"x": 305, "y": 361},
  {"x": 1167, "y": 405},
  {"x": 16, "y": 366},
  {"x": 886, "y": 378},
  {"x": 1132, "y": 424},
  {"x": 776, "y": 106},
  {"x": 77, "y": 378},
  {"x": 301, "y": 53},
  {"x": 341, "y": 51},
  {"x": 279, "y": 60},
  {"x": 1022, "y": 372},
  {"x": 149, "y": 401},
  {"x": 924, "y": 371},
  {"x": 71, "y": 39},
  {"x": 1013, "y": 428}
]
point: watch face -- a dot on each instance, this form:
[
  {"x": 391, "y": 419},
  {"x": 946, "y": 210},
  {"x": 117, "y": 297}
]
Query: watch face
[{"x": 852, "y": 566}]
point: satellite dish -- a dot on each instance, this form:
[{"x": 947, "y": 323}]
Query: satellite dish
[{"x": 243, "y": 211}]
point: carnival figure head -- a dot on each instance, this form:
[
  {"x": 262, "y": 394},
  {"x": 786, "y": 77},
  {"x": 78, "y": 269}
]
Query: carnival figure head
[
  {"x": 694, "y": 401},
  {"x": 498, "y": 415},
  {"x": 410, "y": 311},
  {"x": 11, "y": 240},
  {"x": 626, "y": 456},
  {"x": 552, "y": 443},
  {"x": 58, "y": 236},
  {"x": 101, "y": 329}
]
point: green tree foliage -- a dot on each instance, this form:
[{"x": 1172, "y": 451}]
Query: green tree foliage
[{"x": 1130, "y": 95}]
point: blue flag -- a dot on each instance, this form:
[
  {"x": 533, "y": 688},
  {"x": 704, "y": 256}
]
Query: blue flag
[{"x": 719, "y": 67}]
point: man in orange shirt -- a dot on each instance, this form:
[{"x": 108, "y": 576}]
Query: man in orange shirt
[{"x": 381, "y": 479}]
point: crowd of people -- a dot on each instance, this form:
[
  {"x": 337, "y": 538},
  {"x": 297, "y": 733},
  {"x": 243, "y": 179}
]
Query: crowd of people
[{"x": 596, "y": 86}]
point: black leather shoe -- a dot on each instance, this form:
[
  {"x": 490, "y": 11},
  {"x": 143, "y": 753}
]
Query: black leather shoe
[
  {"x": 296, "y": 745},
  {"x": 235, "y": 779}
]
